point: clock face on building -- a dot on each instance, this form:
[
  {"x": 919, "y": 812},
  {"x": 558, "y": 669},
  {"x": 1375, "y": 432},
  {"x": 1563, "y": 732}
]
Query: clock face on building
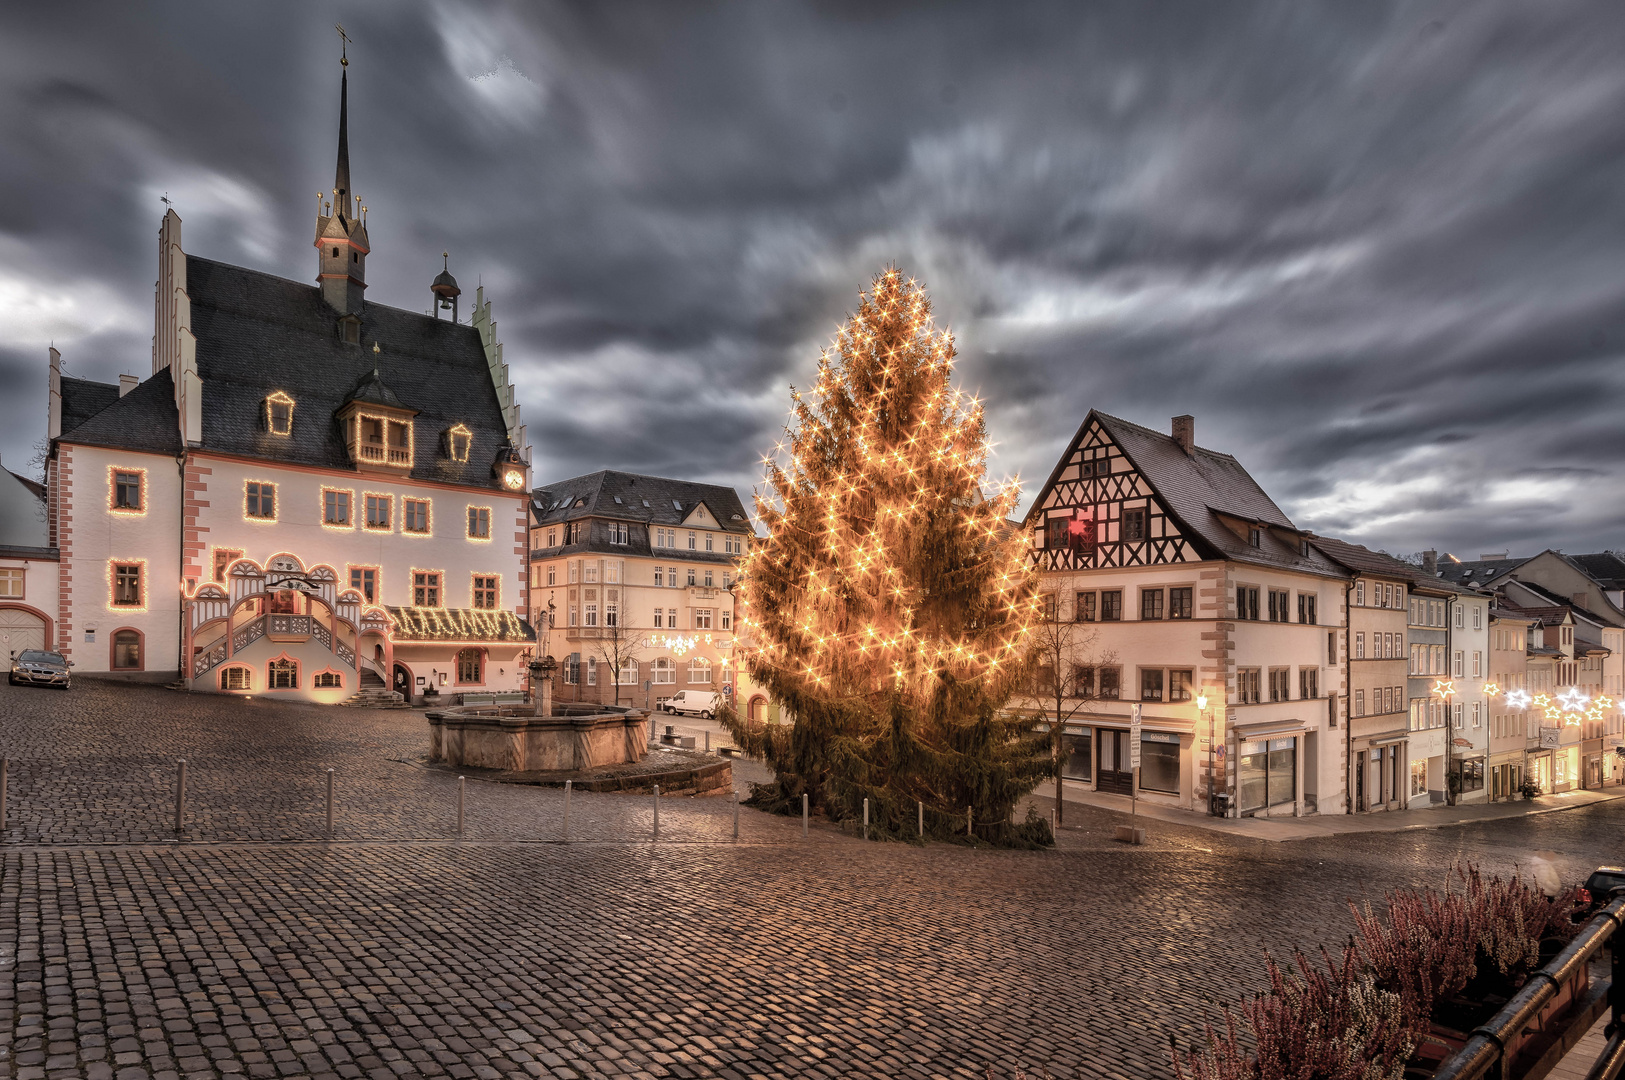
[{"x": 513, "y": 479}]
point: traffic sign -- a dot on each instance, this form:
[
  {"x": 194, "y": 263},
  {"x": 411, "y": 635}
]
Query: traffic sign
[{"x": 1134, "y": 737}]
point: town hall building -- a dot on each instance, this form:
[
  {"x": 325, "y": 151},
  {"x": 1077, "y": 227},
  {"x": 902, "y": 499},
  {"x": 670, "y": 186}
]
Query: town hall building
[{"x": 311, "y": 494}]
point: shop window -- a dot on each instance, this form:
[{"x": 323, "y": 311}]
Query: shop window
[
  {"x": 1159, "y": 763},
  {"x": 1077, "y": 751},
  {"x": 1419, "y": 777},
  {"x": 471, "y": 666},
  {"x": 1266, "y": 773},
  {"x": 127, "y": 650}
]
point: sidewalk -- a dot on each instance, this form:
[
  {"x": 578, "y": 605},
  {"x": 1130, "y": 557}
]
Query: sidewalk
[{"x": 1306, "y": 828}]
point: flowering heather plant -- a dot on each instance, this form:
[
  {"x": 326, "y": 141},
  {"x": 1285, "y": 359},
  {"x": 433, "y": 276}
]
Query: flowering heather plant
[
  {"x": 1311, "y": 1024},
  {"x": 1434, "y": 944}
]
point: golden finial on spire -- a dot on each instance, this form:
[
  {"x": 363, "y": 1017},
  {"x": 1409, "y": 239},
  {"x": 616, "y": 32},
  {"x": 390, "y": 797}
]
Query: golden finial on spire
[{"x": 344, "y": 47}]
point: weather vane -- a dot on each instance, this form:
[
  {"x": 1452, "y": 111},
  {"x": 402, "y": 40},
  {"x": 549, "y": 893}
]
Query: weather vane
[
  {"x": 344, "y": 46},
  {"x": 164, "y": 198}
]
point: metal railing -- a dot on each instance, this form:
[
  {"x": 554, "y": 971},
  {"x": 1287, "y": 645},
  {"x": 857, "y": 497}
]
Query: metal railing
[{"x": 1486, "y": 1051}]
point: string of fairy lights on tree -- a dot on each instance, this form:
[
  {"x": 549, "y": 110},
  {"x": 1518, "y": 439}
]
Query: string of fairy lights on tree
[{"x": 885, "y": 568}]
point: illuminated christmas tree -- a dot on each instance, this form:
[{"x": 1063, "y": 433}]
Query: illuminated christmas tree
[{"x": 889, "y": 609}]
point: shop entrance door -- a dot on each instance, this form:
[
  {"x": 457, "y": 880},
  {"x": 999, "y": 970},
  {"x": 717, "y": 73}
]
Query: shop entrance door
[
  {"x": 1116, "y": 775},
  {"x": 1359, "y": 782}
]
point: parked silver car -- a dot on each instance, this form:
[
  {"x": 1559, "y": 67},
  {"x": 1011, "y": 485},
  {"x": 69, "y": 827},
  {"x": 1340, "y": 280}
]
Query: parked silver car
[{"x": 40, "y": 668}]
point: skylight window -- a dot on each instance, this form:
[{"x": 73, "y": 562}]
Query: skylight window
[
  {"x": 617, "y": 500},
  {"x": 677, "y": 504},
  {"x": 646, "y": 504}
]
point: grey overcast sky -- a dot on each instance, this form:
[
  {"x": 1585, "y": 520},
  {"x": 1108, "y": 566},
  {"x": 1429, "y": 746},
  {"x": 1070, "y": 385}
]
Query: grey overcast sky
[{"x": 1378, "y": 249}]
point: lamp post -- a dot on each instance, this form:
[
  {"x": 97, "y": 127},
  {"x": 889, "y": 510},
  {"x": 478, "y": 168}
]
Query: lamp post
[{"x": 1445, "y": 689}]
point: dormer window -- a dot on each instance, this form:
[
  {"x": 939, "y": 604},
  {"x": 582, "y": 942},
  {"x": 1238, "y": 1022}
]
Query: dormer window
[
  {"x": 456, "y": 442},
  {"x": 350, "y": 330},
  {"x": 1255, "y": 537},
  {"x": 279, "y": 414}
]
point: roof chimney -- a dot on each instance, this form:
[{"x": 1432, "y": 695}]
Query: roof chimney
[
  {"x": 1430, "y": 562},
  {"x": 1495, "y": 556},
  {"x": 126, "y": 383},
  {"x": 1185, "y": 432}
]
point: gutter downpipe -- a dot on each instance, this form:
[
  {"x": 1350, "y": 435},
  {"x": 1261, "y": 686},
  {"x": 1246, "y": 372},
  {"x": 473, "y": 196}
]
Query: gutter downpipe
[
  {"x": 1348, "y": 696},
  {"x": 183, "y": 662}
]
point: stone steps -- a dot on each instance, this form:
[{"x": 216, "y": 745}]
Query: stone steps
[{"x": 375, "y": 698}]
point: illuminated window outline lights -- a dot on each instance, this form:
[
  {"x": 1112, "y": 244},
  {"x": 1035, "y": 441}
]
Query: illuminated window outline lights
[
  {"x": 112, "y": 585},
  {"x": 112, "y": 491},
  {"x": 490, "y": 516},
  {"x": 428, "y": 515},
  {"x": 472, "y": 590},
  {"x": 362, "y": 516},
  {"x": 276, "y": 502},
  {"x": 377, "y": 582},
  {"x": 273, "y": 399},
  {"x": 412, "y": 587},
  {"x": 386, "y": 420},
  {"x": 349, "y": 526},
  {"x": 455, "y": 432}
]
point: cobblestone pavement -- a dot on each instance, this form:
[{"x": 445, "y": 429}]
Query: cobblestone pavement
[{"x": 253, "y": 948}]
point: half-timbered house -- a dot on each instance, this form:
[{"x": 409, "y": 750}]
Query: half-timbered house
[{"x": 1183, "y": 584}]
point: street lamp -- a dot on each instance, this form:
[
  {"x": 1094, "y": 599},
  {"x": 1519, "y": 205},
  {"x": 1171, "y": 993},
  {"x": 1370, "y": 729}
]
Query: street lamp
[{"x": 1445, "y": 689}]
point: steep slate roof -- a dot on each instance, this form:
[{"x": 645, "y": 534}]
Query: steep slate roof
[
  {"x": 82, "y": 399},
  {"x": 1605, "y": 568},
  {"x": 598, "y": 491},
  {"x": 1195, "y": 488},
  {"x": 34, "y": 487},
  {"x": 1478, "y": 571},
  {"x": 458, "y": 624},
  {"x": 1558, "y": 600},
  {"x": 144, "y": 419},
  {"x": 257, "y": 334}
]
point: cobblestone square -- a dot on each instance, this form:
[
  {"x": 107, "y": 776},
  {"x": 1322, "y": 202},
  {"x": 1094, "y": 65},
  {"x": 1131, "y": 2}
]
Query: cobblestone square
[{"x": 251, "y": 946}]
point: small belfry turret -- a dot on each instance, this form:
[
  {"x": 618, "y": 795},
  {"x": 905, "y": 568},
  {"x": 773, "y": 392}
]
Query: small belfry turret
[
  {"x": 341, "y": 232},
  {"x": 445, "y": 289}
]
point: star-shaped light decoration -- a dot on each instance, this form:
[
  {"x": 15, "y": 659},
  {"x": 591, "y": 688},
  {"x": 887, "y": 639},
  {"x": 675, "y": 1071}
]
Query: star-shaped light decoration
[
  {"x": 1599, "y": 708},
  {"x": 1574, "y": 700},
  {"x": 1518, "y": 699},
  {"x": 1490, "y": 689},
  {"x": 1444, "y": 688}
]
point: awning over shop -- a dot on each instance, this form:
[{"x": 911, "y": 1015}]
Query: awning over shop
[
  {"x": 1268, "y": 729},
  {"x": 474, "y": 625}
]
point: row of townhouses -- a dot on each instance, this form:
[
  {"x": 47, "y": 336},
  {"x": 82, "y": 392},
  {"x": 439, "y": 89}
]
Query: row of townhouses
[
  {"x": 1275, "y": 671},
  {"x": 317, "y": 495}
]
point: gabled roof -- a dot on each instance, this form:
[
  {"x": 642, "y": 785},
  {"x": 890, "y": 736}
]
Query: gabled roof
[
  {"x": 1479, "y": 571},
  {"x": 624, "y": 496},
  {"x": 35, "y": 488},
  {"x": 1196, "y": 488},
  {"x": 1606, "y": 568},
  {"x": 1363, "y": 560},
  {"x": 257, "y": 334},
  {"x": 82, "y": 399},
  {"x": 143, "y": 419},
  {"x": 371, "y": 389},
  {"x": 1558, "y": 600}
]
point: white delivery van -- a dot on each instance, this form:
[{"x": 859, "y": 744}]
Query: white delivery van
[{"x": 692, "y": 702}]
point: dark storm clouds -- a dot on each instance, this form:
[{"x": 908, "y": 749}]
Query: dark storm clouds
[{"x": 1377, "y": 249}]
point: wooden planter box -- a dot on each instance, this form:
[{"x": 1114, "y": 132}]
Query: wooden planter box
[{"x": 1454, "y": 1021}]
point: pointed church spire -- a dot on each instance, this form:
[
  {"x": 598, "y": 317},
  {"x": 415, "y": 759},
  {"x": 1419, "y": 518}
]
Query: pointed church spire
[{"x": 341, "y": 175}]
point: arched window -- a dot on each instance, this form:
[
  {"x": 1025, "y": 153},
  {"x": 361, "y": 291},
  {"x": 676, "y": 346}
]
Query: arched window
[
  {"x": 471, "y": 666},
  {"x": 282, "y": 675},
  {"x": 664, "y": 671},
  {"x": 328, "y": 680},
  {"x": 127, "y": 651},
  {"x": 699, "y": 670},
  {"x": 235, "y": 678}
]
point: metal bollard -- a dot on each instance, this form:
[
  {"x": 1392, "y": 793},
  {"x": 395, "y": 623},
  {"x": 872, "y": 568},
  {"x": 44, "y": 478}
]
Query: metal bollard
[
  {"x": 708, "y": 742},
  {"x": 804, "y": 815},
  {"x": 330, "y": 804},
  {"x": 866, "y": 819},
  {"x": 180, "y": 797},
  {"x": 567, "y": 784},
  {"x": 651, "y": 729},
  {"x": 657, "y": 811},
  {"x": 462, "y": 787},
  {"x": 922, "y": 820},
  {"x": 5, "y": 767},
  {"x": 736, "y": 813}
]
